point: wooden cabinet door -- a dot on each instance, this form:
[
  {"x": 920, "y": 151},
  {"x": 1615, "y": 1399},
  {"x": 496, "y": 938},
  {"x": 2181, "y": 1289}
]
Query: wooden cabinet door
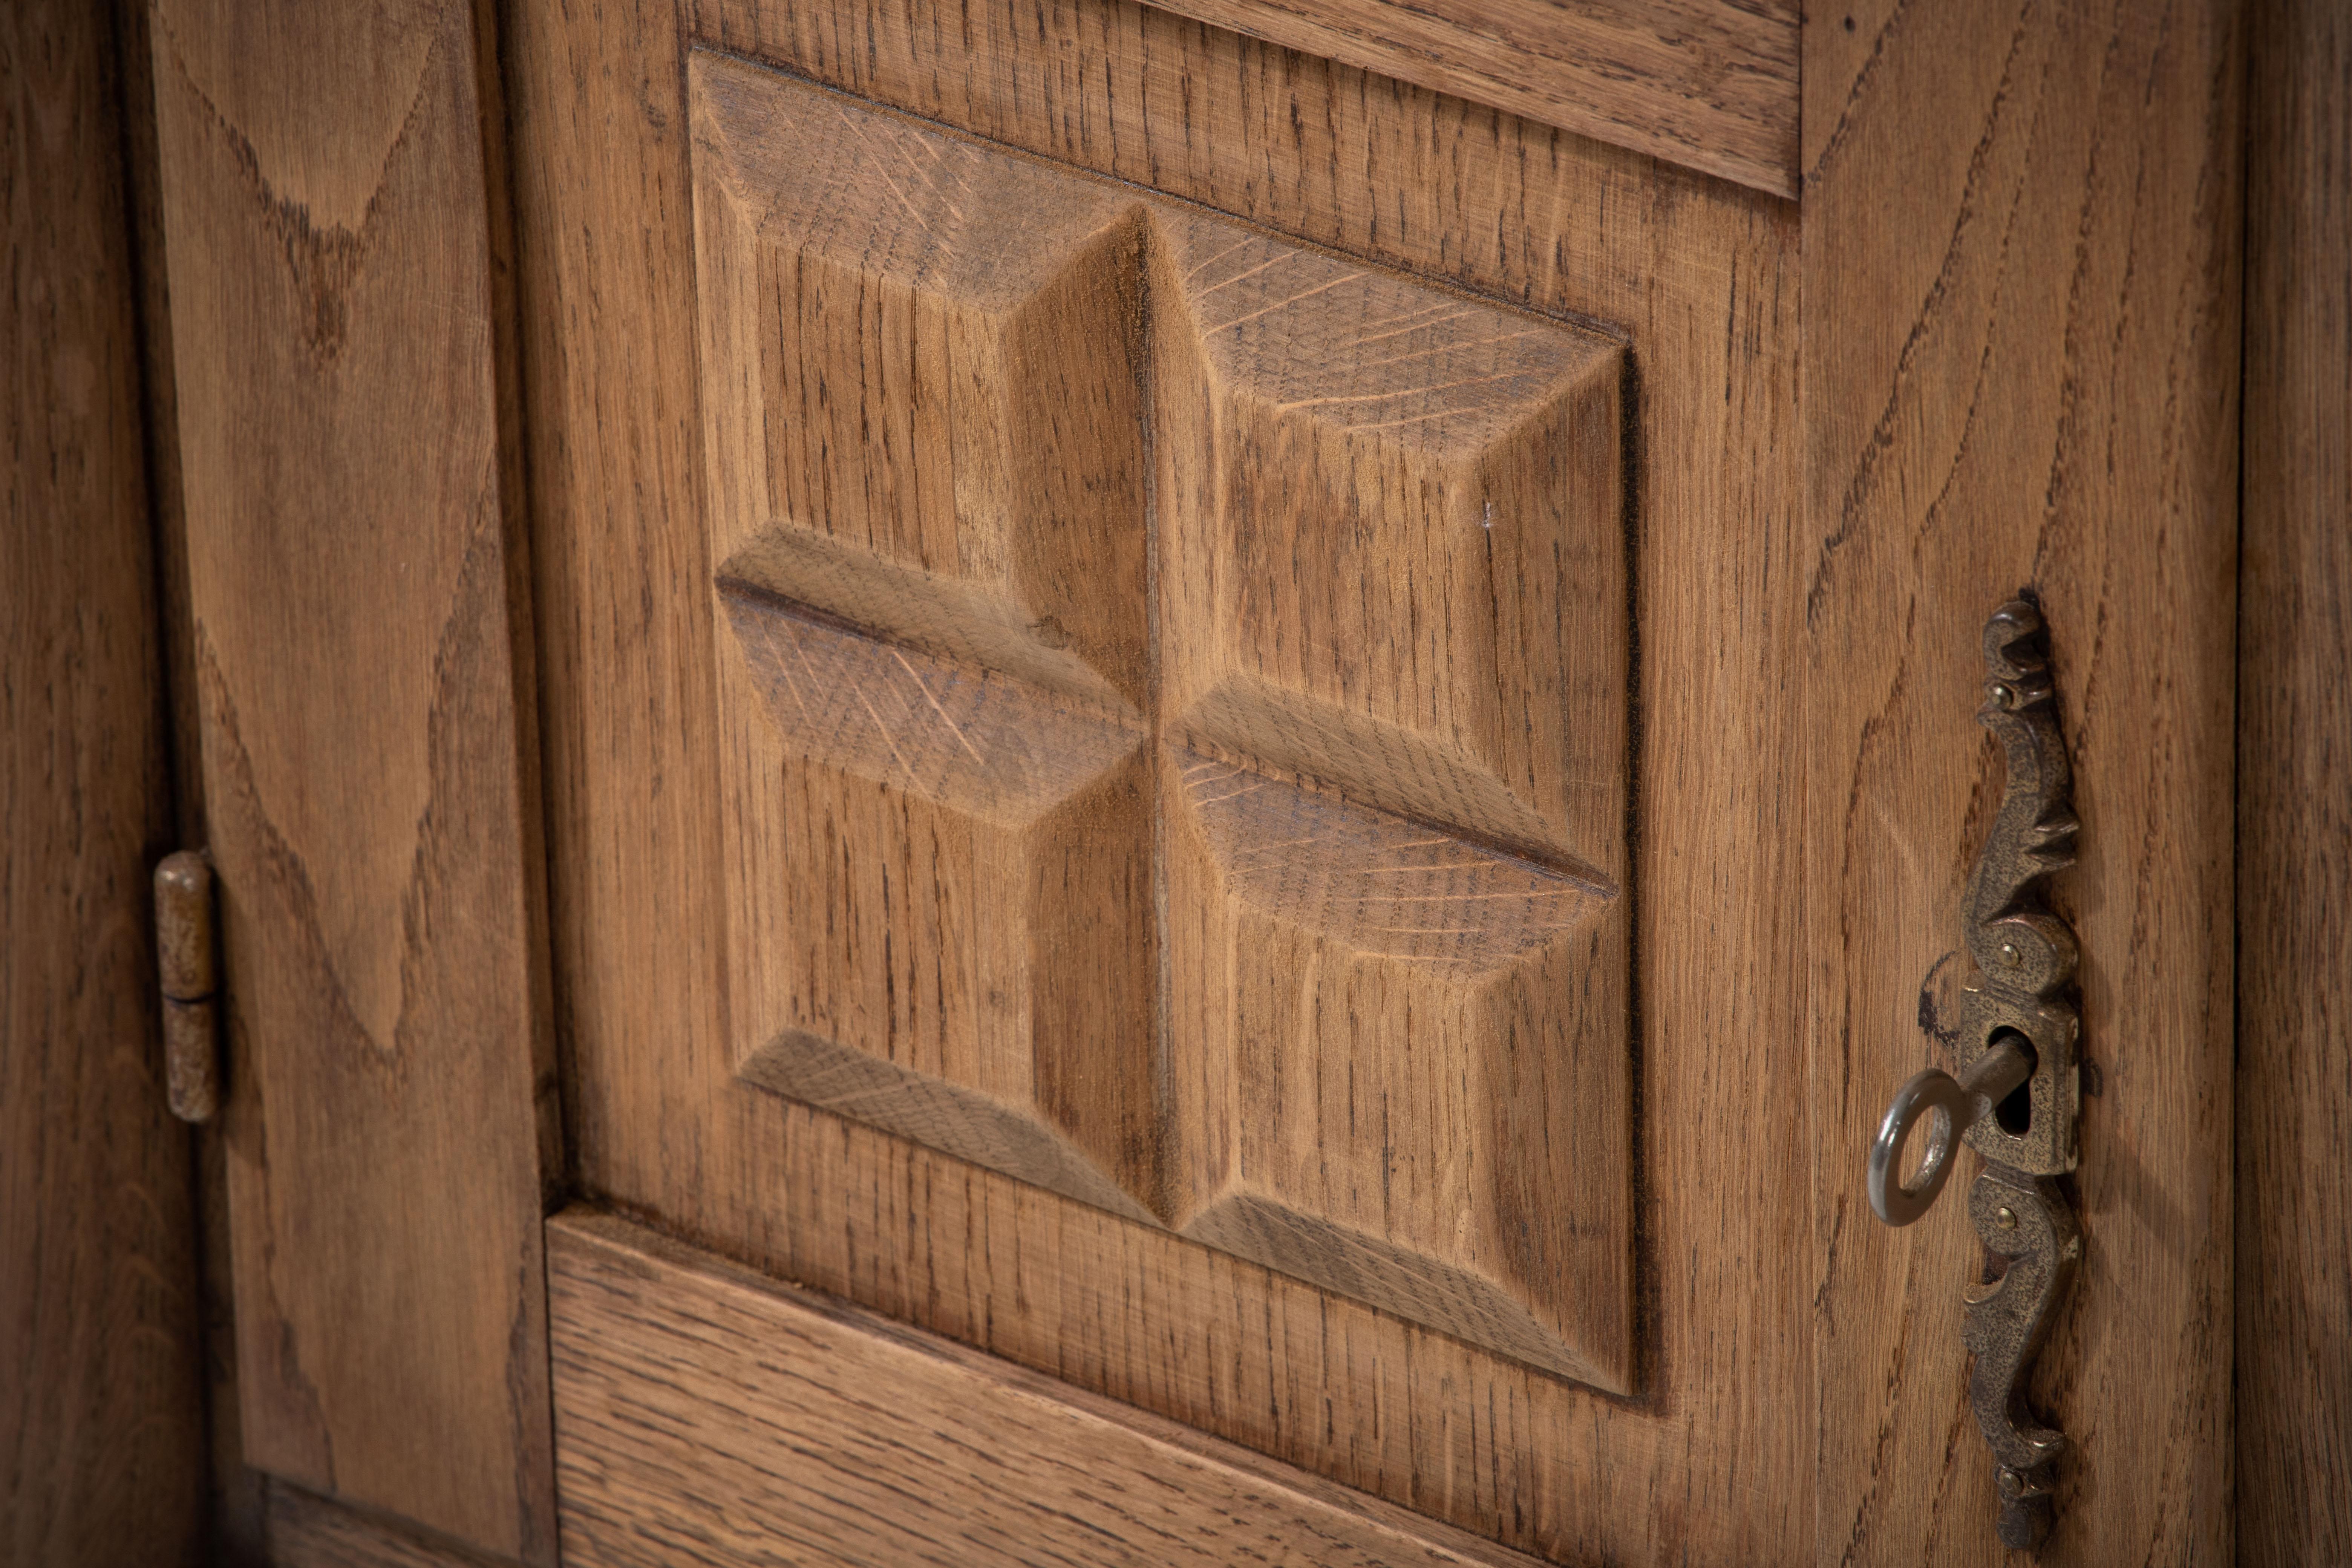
[
  {"x": 1122, "y": 847},
  {"x": 1125, "y": 797}
]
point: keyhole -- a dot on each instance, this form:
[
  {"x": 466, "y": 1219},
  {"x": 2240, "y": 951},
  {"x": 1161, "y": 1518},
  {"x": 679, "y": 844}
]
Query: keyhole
[{"x": 2015, "y": 1114}]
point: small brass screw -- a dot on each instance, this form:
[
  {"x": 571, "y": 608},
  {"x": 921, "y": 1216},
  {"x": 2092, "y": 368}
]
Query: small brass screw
[
  {"x": 2002, "y": 694},
  {"x": 2006, "y": 1218},
  {"x": 2009, "y": 955}
]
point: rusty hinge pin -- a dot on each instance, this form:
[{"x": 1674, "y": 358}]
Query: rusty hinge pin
[{"x": 187, "y": 964}]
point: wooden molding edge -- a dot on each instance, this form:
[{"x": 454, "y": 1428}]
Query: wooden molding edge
[
  {"x": 1708, "y": 84},
  {"x": 2293, "y": 1370},
  {"x": 699, "y": 1405},
  {"x": 306, "y": 1531}
]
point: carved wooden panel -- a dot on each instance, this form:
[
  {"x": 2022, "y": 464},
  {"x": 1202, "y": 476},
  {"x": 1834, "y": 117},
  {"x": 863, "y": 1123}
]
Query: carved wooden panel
[{"x": 1174, "y": 706}]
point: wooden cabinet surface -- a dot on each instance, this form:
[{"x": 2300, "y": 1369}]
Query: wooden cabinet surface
[
  {"x": 1041, "y": 784},
  {"x": 1156, "y": 665}
]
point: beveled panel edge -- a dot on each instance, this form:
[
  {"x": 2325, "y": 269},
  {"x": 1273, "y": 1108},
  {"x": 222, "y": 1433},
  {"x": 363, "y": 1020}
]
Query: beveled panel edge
[{"x": 963, "y": 1122}]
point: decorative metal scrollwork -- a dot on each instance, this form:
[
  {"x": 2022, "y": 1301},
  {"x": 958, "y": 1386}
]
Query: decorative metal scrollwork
[{"x": 2015, "y": 1098}]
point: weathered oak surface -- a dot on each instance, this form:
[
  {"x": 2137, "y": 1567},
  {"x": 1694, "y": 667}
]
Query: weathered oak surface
[
  {"x": 1709, "y": 84},
  {"x": 2021, "y": 371},
  {"x": 2295, "y": 799},
  {"x": 101, "y": 1427},
  {"x": 1694, "y": 278},
  {"x": 327, "y": 230},
  {"x": 1139, "y": 840}
]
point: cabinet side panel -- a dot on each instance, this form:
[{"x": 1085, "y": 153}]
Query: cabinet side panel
[
  {"x": 2295, "y": 798},
  {"x": 328, "y": 239},
  {"x": 101, "y": 1429},
  {"x": 2021, "y": 371}
]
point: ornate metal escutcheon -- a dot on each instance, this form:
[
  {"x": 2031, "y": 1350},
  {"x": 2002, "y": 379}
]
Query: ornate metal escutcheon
[{"x": 2015, "y": 1097}]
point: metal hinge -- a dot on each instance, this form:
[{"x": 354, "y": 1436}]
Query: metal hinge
[{"x": 187, "y": 962}]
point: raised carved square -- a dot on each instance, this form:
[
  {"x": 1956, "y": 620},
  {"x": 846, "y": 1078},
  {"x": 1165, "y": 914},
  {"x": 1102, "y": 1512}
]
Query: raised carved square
[{"x": 1174, "y": 698}]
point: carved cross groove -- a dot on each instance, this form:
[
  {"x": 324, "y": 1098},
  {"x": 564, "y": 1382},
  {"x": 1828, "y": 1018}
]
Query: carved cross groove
[{"x": 1174, "y": 741}]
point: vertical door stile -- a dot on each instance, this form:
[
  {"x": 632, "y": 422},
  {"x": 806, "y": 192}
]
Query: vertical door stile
[
  {"x": 2021, "y": 362},
  {"x": 327, "y": 228}
]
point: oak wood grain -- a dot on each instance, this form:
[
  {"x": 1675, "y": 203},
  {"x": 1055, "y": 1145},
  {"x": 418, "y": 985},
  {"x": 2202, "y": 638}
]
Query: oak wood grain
[
  {"x": 101, "y": 1423},
  {"x": 703, "y": 1410},
  {"x": 326, "y": 233},
  {"x": 1392, "y": 556},
  {"x": 2020, "y": 364},
  {"x": 1392, "y": 565},
  {"x": 922, "y": 423},
  {"x": 919, "y": 366},
  {"x": 2293, "y": 1382},
  {"x": 1386, "y": 576},
  {"x": 1696, "y": 276},
  {"x": 1710, "y": 84},
  {"x": 236, "y": 1488}
]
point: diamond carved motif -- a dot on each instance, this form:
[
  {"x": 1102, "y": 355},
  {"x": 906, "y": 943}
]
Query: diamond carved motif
[{"x": 1175, "y": 697}]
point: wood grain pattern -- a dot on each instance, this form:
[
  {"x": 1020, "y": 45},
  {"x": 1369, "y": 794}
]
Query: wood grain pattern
[
  {"x": 2294, "y": 1384},
  {"x": 102, "y": 1422},
  {"x": 704, "y": 1411},
  {"x": 1393, "y": 566},
  {"x": 1698, "y": 275},
  {"x": 326, "y": 233},
  {"x": 922, "y": 421},
  {"x": 1377, "y": 883},
  {"x": 1385, "y": 532},
  {"x": 948, "y": 960},
  {"x": 2021, "y": 351},
  {"x": 918, "y": 362},
  {"x": 1711, "y": 84},
  {"x": 1400, "y": 1067},
  {"x": 236, "y": 1489},
  {"x": 1392, "y": 556}
]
